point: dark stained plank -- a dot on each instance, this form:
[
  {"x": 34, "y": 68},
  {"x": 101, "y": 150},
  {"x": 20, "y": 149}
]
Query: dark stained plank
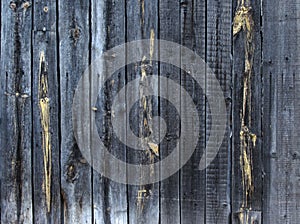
[
  {"x": 192, "y": 180},
  {"x": 169, "y": 29},
  {"x": 108, "y": 31},
  {"x": 142, "y": 23},
  {"x": 218, "y": 58},
  {"x": 280, "y": 115},
  {"x": 247, "y": 108},
  {"x": 74, "y": 41},
  {"x": 16, "y": 112},
  {"x": 46, "y": 146}
]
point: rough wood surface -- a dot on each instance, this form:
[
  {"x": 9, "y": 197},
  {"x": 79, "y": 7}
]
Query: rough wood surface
[
  {"x": 46, "y": 142},
  {"x": 16, "y": 113},
  {"x": 108, "y": 31},
  {"x": 169, "y": 20},
  {"x": 247, "y": 109},
  {"x": 46, "y": 170},
  {"x": 253, "y": 49},
  {"x": 280, "y": 30},
  {"x": 218, "y": 58},
  {"x": 192, "y": 180},
  {"x": 142, "y": 23},
  {"x": 74, "y": 53}
]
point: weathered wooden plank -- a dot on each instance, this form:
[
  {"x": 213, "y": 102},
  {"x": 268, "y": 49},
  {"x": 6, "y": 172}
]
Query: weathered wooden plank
[
  {"x": 74, "y": 43},
  {"x": 247, "y": 176},
  {"x": 218, "y": 57},
  {"x": 108, "y": 31},
  {"x": 15, "y": 118},
  {"x": 281, "y": 130},
  {"x": 143, "y": 201},
  {"x": 46, "y": 168},
  {"x": 169, "y": 29},
  {"x": 192, "y": 184},
  {"x": 46, "y": 148},
  {"x": 1, "y": 102}
]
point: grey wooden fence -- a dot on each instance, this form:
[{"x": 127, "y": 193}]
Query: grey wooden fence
[{"x": 253, "y": 49}]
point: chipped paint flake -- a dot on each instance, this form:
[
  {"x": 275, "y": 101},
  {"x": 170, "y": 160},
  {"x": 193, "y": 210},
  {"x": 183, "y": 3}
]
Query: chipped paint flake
[
  {"x": 44, "y": 104},
  {"x": 154, "y": 147},
  {"x": 142, "y": 193}
]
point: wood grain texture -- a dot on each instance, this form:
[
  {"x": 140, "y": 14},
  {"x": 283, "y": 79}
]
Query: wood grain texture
[
  {"x": 108, "y": 31},
  {"x": 46, "y": 142},
  {"x": 16, "y": 113},
  {"x": 247, "y": 109},
  {"x": 192, "y": 180},
  {"x": 142, "y": 23},
  {"x": 254, "y": 52},
  {"x": 281, "y": 130},
  {"x": 218, "y": 58},
  {"x": 74, "y": 43},
  {"x": 46, "y": 170},
  {"x": 169, "y": 29}
]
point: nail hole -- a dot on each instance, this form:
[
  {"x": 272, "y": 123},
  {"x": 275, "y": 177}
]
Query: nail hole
[
  {"x": 46, "y": 9},
  {"x": 26, "y": 5},
  {"x": 12, "y": 5}
]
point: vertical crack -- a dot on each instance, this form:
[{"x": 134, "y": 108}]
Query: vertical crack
[
  {"x": 243, "y": 21},
  {"x": 44, "y": 103}
]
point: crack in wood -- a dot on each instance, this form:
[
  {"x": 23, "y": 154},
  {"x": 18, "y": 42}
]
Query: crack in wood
[
  {"x": 142, "y": 5},
  {"x": 44, "y": 103},
  {"x": 243, "y": 21},
  {"x": 146, "y": 128}
]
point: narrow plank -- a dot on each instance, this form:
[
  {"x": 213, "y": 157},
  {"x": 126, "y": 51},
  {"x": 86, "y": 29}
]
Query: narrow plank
[
  {"x": 247, "y": 186},
  {"x": 142, "y": 23},
  {"x": 218, "y": 57},
  {"x": 46, "y": 148},
  {"x": 281, "y": 130},
  {"x": 46, "y": 184},
  {"x": 16, "y": 112},
  {"x": 169, "y": 29},
  {"x": 108, "y": 31},
  {"x": 74, "y": 41},
  {"x": 1, "y": 101},
  {"x": 193, "y": 180}
]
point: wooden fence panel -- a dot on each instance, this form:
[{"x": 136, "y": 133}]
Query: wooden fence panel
[{"x": 252, "y": 48}]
